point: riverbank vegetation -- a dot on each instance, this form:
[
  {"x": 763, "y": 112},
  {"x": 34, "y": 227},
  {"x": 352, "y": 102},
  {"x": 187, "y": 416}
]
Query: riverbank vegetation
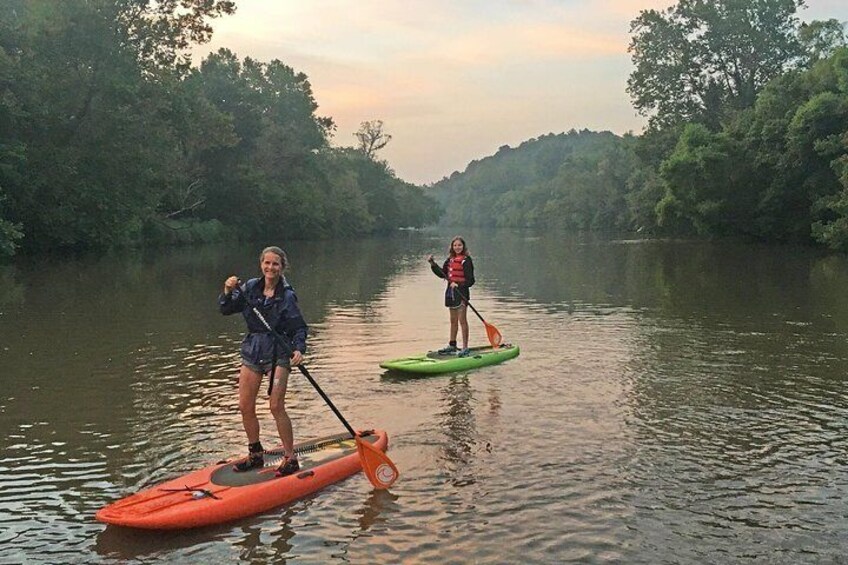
[
  {"x": 110, "y": 137},
  {"x": 747, "y": 136}
]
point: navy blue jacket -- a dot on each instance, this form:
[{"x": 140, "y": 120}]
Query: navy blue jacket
[{"x": 281, "y": 312}]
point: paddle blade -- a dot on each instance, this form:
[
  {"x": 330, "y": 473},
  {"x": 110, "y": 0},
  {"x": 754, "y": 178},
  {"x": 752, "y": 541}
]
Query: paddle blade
[
  {"x": 377, "y": 466},
  {"x": 495, "y": 337}
]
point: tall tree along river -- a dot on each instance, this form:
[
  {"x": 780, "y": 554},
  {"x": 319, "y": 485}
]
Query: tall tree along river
[{"x": 674, "y": 401}]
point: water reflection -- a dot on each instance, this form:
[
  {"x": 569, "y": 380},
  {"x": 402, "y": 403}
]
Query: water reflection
[
  {"x": 460, "y": 429},
  {"x": 674, "y": 400},
  {"x": 258, "y": 544},
  {"x": 372, "y": 511},
  {"x": 125, "y": 544},
  {"x": 689, "y": 279}
]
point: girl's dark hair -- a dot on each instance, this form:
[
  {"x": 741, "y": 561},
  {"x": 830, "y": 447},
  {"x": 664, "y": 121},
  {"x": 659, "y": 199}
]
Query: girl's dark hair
[
  {"x": 278, "y": 252},
  {"x": 464, "y": 247}
]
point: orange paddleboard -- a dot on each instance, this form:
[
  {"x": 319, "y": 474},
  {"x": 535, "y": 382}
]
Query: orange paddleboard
[{"x": 217, "y": 494}]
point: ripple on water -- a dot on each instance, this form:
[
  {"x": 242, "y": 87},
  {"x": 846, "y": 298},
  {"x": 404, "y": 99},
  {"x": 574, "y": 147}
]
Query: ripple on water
[{"x": 649, "y": 433}]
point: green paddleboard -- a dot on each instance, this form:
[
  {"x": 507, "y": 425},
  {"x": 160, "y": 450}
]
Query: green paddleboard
[{"x": 434, "y": 362}]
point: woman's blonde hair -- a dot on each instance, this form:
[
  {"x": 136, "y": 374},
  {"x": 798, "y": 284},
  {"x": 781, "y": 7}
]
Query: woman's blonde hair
[{"x": 278, "y": 252}]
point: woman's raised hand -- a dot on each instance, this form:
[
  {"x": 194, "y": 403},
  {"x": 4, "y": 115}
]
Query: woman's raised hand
[{"x": 230, "y": 284}]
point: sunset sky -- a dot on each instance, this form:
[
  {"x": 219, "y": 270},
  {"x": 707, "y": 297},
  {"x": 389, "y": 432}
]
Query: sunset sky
[{"x": 454, "y": 80}]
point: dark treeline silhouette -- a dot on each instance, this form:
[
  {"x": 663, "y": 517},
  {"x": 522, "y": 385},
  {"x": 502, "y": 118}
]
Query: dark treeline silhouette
[
  {"x": 747, "y": 136},
  {"x": 109, "y": 137}
]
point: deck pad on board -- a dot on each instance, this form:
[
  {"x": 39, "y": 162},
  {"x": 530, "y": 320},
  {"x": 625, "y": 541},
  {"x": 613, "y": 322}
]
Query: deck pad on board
[{"x": 309, "y": 454}]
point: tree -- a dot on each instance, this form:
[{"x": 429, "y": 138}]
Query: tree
[
  {"x": 12, "y": 151},
  {"x": 708, "y": 185},
  {"x": 89, "y": 89},
  {"x": 108, "y": 138},
  {"x": 161, "y": 31},
  {"x": 371, "y": 137},
  {"x": 271, "y": 170},
  {"x": 700, "y": 60},
  {"x": 821, "y": 39}
]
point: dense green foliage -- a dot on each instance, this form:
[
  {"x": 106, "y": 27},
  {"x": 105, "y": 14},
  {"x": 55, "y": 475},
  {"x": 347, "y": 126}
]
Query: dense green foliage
[
  {"x": 109, "y": 137},
  {"x": 702, "y": 59},
  {"x": 577, "y": 180},
  {"x": 748, "y": 137}
]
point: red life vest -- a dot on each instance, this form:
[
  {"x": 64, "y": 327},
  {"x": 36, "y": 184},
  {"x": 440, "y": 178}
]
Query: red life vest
[{"x": 455, "y": 271}]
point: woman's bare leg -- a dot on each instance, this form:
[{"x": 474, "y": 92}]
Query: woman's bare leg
[
  {"x": 248, "y": 386},
  {"x": 278, "y": 410}
]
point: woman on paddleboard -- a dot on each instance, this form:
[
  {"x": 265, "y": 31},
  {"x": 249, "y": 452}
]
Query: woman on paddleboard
[
  {"x": 276, "y": 302},
  {"x": 458, "y": 270}
]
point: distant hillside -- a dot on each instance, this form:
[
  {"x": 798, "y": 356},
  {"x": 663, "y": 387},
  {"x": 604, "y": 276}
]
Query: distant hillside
[
  {"x": 751, "y": 147},
  {"x": 574, "y": 180}
]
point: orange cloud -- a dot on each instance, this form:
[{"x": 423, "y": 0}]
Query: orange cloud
[{"x": 631, "y": 8}]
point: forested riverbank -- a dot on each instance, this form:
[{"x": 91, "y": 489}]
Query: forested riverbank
[
  {"x": 110, "y": 137},
  {"x": 747, "y": 136}
]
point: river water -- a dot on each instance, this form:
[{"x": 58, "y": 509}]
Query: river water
[{"x": 674, "y": 402}]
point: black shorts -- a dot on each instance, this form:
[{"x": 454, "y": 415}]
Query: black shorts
[
  {"x": 453, "y": 299},
  {"x": 265, "y": 368}
]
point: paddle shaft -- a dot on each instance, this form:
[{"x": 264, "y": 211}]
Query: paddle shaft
[
  {"x": 288, "y": 351},
  {"x": 327, "y": 400},
  {"x": 468, "y": 303}
]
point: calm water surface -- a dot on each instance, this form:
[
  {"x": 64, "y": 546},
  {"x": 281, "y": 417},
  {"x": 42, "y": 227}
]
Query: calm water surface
[{"x": 674, "y": 402}]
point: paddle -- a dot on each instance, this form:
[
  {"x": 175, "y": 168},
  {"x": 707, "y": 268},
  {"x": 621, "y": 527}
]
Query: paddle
[
  {"x": 377, "y": 466},
  {"x": 495, "y": 337}
]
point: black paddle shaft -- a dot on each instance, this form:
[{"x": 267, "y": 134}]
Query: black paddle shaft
[{"x": 287, "y": 349}]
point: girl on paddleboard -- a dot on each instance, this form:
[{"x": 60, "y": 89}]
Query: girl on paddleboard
[
  {"x": 458, "y": 270},
  {"x": 276, "y": 301}
]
